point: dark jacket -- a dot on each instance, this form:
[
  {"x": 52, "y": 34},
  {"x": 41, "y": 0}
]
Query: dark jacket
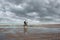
[{"x": 25, "y": 23}]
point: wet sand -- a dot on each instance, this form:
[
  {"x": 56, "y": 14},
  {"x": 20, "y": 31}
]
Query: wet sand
[
  {"x": 37, "y": 25},
  {"x": 33, "y": 33},
  {"x": 51, "y": 25},
  {"x": 34, "y": 36}
]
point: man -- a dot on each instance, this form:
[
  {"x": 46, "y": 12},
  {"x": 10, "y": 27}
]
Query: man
[
  {"x": 25, "y": 23},
  {"x": 25, "y": 26}
]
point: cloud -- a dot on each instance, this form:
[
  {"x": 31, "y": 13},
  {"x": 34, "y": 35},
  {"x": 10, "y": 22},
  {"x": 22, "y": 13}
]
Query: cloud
[
  {"x": 34, "y": 11},
  {"x": 32, "y": 14},
  {"x": 33, "y": 21}
]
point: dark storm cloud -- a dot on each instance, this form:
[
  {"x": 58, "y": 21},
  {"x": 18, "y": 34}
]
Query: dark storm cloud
[{"x": 15, "y": 1}]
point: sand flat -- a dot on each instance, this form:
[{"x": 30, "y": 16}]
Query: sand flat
[
  {"x": 38, "y": 25},
  {"x": 34, "y": 33},
  {"x": 35, "y": 36}
]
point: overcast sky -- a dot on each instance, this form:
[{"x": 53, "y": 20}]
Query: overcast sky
[{"x": 34, "y": 11}]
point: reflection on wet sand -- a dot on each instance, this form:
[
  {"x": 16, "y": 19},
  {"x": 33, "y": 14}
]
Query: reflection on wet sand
[{"x": 33, "y": 33}]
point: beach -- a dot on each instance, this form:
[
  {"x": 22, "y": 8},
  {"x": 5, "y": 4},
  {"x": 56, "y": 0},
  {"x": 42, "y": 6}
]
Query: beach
[{"x": 33, "y": 33}]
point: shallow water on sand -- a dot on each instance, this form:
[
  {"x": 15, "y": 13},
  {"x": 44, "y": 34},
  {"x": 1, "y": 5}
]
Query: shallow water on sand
[{"x": 15, "y": 29}]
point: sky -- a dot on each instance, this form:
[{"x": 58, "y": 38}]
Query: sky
[{"x": 34, "y": 11}]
